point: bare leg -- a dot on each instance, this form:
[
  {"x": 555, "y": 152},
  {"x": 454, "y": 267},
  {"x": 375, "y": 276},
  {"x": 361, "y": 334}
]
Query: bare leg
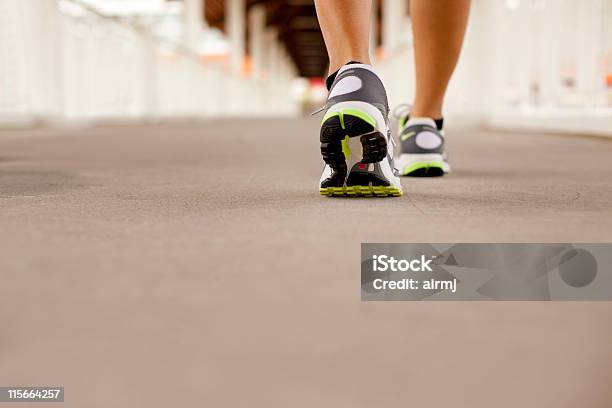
[
  {"x": 346, "y": 29},
  {"x": 438, "y": 28}
]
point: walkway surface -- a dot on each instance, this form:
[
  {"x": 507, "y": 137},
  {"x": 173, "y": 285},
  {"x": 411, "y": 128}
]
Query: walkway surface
[{"x": 196, "y": 265}]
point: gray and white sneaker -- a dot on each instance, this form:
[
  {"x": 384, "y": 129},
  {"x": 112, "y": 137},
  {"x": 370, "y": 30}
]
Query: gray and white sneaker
[
  {"x": 422, "y": 149},
  {"x": 356, "y": 143}
]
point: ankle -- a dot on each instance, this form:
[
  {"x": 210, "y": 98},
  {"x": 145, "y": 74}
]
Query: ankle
[
  {"x": 411, "y": 120},
  {"x": 337, "y": 63},
  {"x": 332, "y": 76},
  {"x": 426, "y": 112},
  {"x": 435, "y": 115}
]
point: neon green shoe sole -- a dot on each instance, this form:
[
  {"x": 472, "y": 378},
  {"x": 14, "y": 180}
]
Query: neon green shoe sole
[
  {"x": 424, "y": 169},
  {"x": 361, "y": 191}
]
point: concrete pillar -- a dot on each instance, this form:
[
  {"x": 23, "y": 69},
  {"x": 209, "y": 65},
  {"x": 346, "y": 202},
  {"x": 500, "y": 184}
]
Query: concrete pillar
[
  {"x": 235, "y": 26},
  {"x": 193, "y": 13},
  {"x": 393, "y": 16},
  {"x": 487, "y": 35},
  {"x": 150, "y": 89},
  {"x": 257, "y": 46},
  {"x": 286, "y": 65},
  {"x": 589, "y": 77},
  {"x": 521, "y": 54},
  {"x": 283, "y": 64},
  {"x": 41, "y": 44},
  {"x": 550, "y": 28},
  {"x": 273, "y": 52}
]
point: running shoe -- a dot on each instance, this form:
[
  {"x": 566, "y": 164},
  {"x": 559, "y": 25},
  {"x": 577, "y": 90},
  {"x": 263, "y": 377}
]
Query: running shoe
[
  {"x": 422, "y": 148},
  {"x": 356, "y": 143}
]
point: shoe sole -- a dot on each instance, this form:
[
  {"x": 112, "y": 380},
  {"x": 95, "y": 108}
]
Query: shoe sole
[
  {"x": 423, "y": 165},
  {"x": 361, "y": 191},
  {"x": 337, "y": 130}
]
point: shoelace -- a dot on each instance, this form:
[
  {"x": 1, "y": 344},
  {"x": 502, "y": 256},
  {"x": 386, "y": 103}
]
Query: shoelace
[
  {"x": 320, "y": 109},
  {"x": 392, "y": 139},
  {"x": 394, "y": 143}
]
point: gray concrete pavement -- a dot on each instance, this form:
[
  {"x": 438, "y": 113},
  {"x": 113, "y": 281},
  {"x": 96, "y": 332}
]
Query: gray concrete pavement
[{"x": 196, "y": 265}]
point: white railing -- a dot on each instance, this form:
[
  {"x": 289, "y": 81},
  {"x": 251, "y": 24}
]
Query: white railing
[{"x": 72, "y": 63}]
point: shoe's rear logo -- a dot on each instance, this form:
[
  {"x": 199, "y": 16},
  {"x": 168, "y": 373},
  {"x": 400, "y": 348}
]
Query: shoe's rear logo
[
  {"x": 428, "y": 140},
  {"x": 346, "y": 85}
]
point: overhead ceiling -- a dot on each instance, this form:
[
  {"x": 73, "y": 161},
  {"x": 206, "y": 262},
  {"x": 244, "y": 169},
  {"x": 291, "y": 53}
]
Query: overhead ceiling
[{"x": 297, "y": 26}]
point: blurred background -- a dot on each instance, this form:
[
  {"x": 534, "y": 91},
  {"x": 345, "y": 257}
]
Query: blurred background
[
  {"x": 163, "y": 238},
  {"x": 541, "y": 64}
]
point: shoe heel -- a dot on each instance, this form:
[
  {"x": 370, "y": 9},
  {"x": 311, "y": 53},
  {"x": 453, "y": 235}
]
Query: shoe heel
[
  {"x": 331, "y": 138},
  {"x": 373, "y": 142},
  {"x": 374, "y": 147},
  {"x": 332, "y": 134}
]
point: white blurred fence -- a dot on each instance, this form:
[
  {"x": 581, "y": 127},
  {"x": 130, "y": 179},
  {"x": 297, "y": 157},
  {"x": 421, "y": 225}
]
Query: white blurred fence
[
  {"x": 542, "y": 64},
  {"x": 70, "y": 63}
]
